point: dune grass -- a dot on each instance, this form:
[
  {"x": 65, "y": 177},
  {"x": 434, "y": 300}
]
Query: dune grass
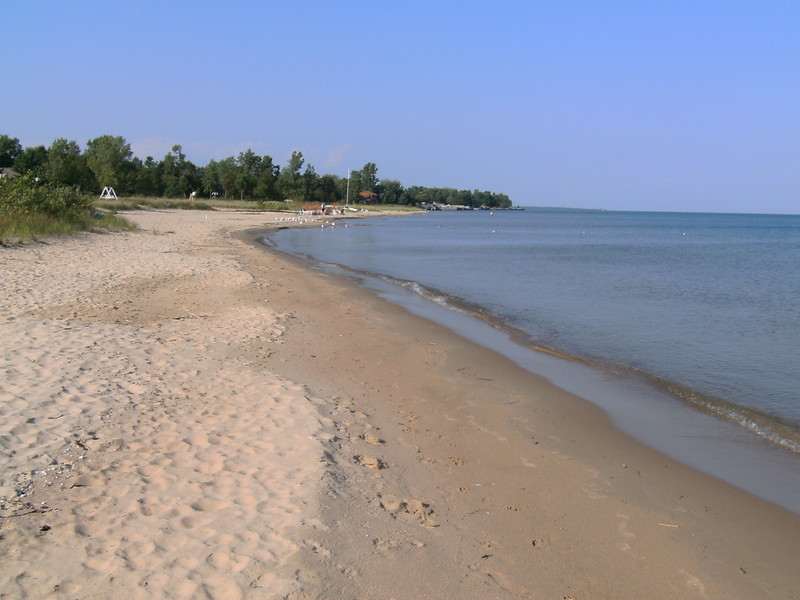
[
  {"x": 31, "y": 210},
  {"x": 20, "y": 229}
]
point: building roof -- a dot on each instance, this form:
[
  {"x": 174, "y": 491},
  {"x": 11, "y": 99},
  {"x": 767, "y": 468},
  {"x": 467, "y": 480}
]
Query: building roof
[{"x": 8, "y": 172}]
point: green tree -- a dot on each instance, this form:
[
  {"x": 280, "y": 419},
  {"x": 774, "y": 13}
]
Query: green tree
[
  {"x": 418, "y": 194},
  {"x": 266, "y": 187},
  {"x": 10, "y": 148},
  {"x": 355, "y": 186},
  {"x": 110, "y": 159},
  {"x": 483, "y": 199},
  {"x": 227, "y": 171},
  {"x": 296, "y": 162},
  {"x": 211, "y": 180},
  {"x": 391, "y": 191},
  {"x": 31, "y": 160},
  {"x": 248, "y": 169},
  {"x": 369, "y": 177},
  {"x": 328, "y": 189},
  {"x": 290, "y": 181},
  {"x": 178, "y": 175},
  {"x": 67, "y": 166},
  {"x": 149, "y": 178},
  {"x": 309, "y": 182}
]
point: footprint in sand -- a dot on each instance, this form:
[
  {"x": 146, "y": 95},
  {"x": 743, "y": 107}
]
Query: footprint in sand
[
  {"x": 371, "y": 439},
  {"x": 208, "y": 504},
  {"x": 385, "y": 546},
  {"x": 499, "y": 578},
  {"x": 371, "y": 462},
  {"x": 415, "y": 507}
]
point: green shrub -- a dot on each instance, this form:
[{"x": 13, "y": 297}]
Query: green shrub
[
  {"x": 27, "y": 196},
  {"x": 30, "y": 209}
]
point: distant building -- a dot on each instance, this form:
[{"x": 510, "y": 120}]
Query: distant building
[
  {"x": 368, "y": 197},
  {"x": 440, "y": 206},
  {"x": 8, "y": 173}
]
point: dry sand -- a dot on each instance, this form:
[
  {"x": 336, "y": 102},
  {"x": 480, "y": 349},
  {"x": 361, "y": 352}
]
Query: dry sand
[{"x": 186, "y": 415}]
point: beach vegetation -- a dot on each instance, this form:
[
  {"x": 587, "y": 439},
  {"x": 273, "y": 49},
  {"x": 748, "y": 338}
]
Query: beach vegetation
[
  {"x": 111, "y": 161},
  {"x": 10, "y": 148},
  {"x": 31, "y": 160},
  {"x": 66, "y": 165},
  {"x": 248, "y": 177},
  {"x": 31, "y": 208},
  {"x": 291, "y": 182}
]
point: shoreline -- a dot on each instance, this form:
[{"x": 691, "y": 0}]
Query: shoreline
[
  {"x": 640, "y": 404},
  {"x": 401, "y": 460},
  {"x": 733, "y": 389}
]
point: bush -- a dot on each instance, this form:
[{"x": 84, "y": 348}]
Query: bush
[
  {"x": 27, "y": 196},
  {"x": 30, "y": 209}
]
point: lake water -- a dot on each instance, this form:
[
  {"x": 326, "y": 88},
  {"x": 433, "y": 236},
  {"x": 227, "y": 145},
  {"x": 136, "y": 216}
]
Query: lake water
[{"x": 704, "y": 307}]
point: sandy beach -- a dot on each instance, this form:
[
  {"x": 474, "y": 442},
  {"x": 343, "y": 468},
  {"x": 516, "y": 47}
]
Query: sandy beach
[{"x": 186, "y": 414}]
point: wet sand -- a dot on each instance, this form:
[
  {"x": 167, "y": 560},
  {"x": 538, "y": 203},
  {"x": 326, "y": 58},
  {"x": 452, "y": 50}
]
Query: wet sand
[{"x": 184, "y": 414}]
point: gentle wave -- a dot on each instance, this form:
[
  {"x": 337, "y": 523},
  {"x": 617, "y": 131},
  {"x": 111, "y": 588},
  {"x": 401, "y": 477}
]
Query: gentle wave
[{"x": 772, "y": 428}]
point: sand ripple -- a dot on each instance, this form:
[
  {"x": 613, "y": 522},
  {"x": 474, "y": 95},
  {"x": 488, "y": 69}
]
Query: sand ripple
[{"x": 155, "y": 457}]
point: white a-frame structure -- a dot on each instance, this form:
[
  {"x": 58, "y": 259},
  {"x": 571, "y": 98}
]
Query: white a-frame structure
[{"x": 108, "y": 193}]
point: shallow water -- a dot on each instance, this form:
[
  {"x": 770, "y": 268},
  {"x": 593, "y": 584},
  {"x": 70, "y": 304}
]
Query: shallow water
[{"x": 704, "y": 303}]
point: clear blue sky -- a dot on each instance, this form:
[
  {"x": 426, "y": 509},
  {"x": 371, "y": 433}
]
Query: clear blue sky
[{"x": 622, "y": 105}]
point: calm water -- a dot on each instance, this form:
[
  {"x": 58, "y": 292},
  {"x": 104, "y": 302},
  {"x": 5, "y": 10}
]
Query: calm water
[
  {"x": 709, "y": 302},
  {"x": 705, "y": 306}
]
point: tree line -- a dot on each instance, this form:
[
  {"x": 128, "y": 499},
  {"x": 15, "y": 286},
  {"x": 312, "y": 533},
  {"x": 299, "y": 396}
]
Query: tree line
[{"x": 109, "y": 161}]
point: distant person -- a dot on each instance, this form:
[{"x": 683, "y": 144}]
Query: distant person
[{"x": 192, "y": 196}]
